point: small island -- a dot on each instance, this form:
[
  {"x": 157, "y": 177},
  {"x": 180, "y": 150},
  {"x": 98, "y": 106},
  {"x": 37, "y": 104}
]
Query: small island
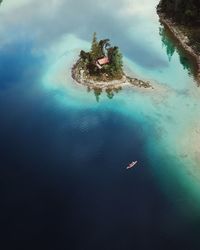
[{"x": 102, "y": 68}]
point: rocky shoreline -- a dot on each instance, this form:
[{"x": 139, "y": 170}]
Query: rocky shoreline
[
  {"x": 183, "y": 40},
  {"x": 80, "y": 77}
]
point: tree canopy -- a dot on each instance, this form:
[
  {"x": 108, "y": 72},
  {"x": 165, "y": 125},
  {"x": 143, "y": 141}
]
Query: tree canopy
[
  {"x": 102, "y": 49},
  {"x": 183, "y": 11},
  {"x": 187, "y": 13}
]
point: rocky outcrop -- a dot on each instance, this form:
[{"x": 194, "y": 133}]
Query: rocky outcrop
[{"x": 138, "y": 83}]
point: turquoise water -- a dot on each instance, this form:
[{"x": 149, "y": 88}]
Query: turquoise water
[{"x": 86, "y": 140}]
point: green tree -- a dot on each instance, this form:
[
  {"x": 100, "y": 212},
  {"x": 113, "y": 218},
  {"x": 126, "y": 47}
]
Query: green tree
[
  {"x": 104, "y": 45},
  {"x": 96, "y": 51},
  {"x": 94, "y": 42},
  {"x": 182, "y": 11},
  {"x": 85, "y": 56},
  {"x": 117, "y": 63}
]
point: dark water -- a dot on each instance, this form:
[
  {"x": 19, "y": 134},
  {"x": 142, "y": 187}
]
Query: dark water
[
  {"x": 67, "y": 187},
  {"x": 62, "y": 167}
]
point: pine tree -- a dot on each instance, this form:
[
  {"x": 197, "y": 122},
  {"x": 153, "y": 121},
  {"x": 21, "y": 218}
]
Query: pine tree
[
  {"x": 94, "y": 42},
  {"x": 95, "y": 48},
  {"x": 117, "y": 63}
]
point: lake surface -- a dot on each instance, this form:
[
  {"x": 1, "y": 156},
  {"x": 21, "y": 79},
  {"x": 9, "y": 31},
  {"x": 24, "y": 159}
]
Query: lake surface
[{"x": 64, "y": 149}]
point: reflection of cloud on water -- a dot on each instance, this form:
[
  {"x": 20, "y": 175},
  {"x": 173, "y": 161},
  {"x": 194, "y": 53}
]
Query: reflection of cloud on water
[
  {"x": 61, "y": 28},
  {"x": 50, "y": 20}
]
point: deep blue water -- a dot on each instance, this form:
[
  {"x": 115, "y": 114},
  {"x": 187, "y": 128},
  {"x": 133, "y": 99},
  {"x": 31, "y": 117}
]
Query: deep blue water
[
  {"x": 63, "y": 154},
  {"x": 67, "y": 186}
]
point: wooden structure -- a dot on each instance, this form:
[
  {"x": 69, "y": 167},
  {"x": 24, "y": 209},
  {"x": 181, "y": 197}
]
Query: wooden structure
[{"x": 102, "y": 61}]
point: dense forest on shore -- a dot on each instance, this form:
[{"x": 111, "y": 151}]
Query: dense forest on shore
[{"x": 185, "y": 12}]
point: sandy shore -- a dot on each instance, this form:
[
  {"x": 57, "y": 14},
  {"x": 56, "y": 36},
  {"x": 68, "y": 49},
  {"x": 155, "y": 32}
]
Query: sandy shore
[
  {"x": 79, "y": 76},
  {"x": 183, "y": 41}
]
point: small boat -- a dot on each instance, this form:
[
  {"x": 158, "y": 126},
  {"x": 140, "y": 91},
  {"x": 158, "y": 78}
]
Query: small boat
[{"x": 131, "y": 165}]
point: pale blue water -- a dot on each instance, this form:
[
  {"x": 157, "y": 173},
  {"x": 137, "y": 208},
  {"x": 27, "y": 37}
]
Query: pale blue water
[{"x": 63, "y": 153}]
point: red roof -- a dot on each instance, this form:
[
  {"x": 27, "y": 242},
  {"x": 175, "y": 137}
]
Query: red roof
[{"x": 103, "y": 60}]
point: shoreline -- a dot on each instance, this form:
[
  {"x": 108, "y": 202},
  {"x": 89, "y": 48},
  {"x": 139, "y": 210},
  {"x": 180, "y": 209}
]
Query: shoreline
[
  {"x": 77, "y": 74},
  {"x": 183, "y": 40}
]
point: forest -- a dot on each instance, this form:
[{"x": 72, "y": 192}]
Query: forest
[{"x": 185, "y": 12}]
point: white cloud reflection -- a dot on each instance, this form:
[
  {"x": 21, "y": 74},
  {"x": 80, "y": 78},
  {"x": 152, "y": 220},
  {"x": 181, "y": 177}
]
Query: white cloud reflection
[{"x": 48, "y": 21}]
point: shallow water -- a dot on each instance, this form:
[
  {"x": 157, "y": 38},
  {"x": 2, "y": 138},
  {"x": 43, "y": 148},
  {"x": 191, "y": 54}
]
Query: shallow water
[{"x": 64, "y": 150}]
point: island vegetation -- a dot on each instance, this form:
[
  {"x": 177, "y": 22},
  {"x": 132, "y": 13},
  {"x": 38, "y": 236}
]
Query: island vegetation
[
  {"x": 102, "y": 68},
  {"x": 182, "y": 19},
  {"x": 103, "y": 62}
]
